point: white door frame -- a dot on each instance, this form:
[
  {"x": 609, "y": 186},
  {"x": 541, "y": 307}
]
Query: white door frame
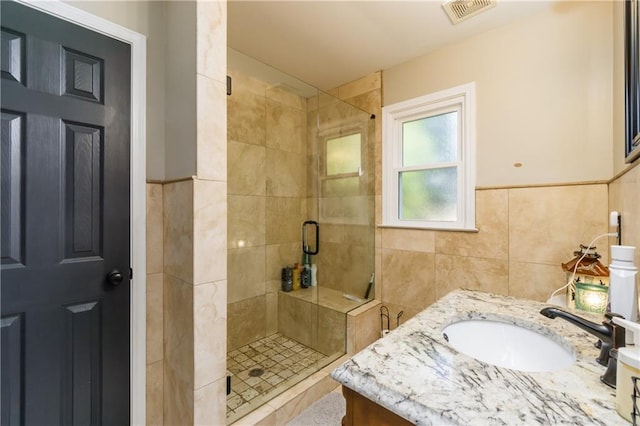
[{"x": 138, "y": 192}]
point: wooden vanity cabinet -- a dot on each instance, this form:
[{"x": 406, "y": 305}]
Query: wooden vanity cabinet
[{"x": 362, "y": 411}]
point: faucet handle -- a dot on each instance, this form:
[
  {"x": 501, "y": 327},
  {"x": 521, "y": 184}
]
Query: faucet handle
[
  {"x": 617, "y": 331},
  {"x": 615, "y": 340},
  {"x": 610, "y": 315}
]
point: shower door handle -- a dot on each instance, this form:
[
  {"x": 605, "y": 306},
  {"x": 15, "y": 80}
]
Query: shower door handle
[{"x": 305, "y": 245}]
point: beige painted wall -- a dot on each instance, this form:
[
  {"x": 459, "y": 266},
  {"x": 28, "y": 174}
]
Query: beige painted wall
[{"x": 544, "y": 94}]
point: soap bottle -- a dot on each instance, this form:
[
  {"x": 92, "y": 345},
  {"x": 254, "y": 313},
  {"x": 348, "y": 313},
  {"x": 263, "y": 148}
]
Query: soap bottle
[
  {"x": 628, "y": 367},
  {"x": 314, "y": 275},
  {"x": 287, "y": 279},
  {"x": 296, "y": 277},
  {"x": 305, "y": 272},
  {"x": 305, "y": 276},
  {"x": 623, "y": 291}
]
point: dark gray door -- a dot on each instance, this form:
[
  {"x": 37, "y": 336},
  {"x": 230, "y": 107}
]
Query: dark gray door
[{"x": 65, "y": 100}]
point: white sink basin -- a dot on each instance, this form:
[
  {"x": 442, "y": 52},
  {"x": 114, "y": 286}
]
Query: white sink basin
[{"x": 507, "y": 345}]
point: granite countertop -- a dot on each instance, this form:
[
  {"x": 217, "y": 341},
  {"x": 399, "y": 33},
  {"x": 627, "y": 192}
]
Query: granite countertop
[{"x": 414, "y": 373}]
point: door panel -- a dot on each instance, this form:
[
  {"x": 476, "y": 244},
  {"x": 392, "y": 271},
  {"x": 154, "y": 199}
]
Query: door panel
[
  {"x": 83, "y": 191},
  {"x": 12, "y": 170},
  {"x": 12, "y": 369},
  {"x": 83, "y": 337},
  {"x": 65, "y": 222},
  {"x": 12, "y": 60}
]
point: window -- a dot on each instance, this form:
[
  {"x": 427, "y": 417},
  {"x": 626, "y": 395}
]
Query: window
[
  {"x": 428, "y": 161},
  {"x": 343, "y": 166},
  {"x": 341, "y": 175}
]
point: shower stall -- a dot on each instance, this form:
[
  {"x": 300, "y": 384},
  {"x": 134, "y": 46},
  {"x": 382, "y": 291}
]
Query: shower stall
[{"x": 295, "y": 155}]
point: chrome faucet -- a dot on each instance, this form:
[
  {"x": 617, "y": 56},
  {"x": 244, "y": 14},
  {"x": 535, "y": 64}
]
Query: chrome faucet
[{"x": 610, "y": 334}]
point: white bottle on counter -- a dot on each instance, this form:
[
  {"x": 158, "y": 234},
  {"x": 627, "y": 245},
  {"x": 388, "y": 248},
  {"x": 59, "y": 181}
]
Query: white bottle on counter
[
  {"x": 623, "y": 290},
  {"x": 627, "y": 368}
]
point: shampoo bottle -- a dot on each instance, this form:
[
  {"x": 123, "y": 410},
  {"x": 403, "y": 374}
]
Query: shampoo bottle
[
  {"x": 305, "y": 277},
  {"x": 296, "y": 277},
  {"x": 305, "y": 273},
  {"x": 287, "y": 279},
  {"x": 627, "y": 368},
  {"x": 623, "y": 291},
  {"x": 314, "y": 275}
]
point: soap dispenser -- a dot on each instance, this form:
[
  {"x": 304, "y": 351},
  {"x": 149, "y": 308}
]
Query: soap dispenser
[
  {"x": 628, "y": 368},
  {"x": 623, "y": 291}
]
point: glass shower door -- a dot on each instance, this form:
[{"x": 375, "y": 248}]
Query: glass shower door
[{"x": 341, "y": 200}]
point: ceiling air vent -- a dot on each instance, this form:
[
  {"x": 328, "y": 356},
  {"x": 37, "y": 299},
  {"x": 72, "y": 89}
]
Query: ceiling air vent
[{"x": 459, "y": 10}]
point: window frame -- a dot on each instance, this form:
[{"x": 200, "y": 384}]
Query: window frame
[
  {"x": 337, "y": 135},
  {"x": 324, "y": 137},
  {"x": 460, "y": 98}
]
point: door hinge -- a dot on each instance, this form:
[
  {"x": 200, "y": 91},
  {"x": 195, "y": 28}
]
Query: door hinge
[
  {"x": 228, "y": 86},
  {"x": 130, "y": 273}
]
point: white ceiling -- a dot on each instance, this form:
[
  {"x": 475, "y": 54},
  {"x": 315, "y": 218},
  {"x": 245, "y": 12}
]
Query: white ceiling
[{"x": 329, "y": 43}]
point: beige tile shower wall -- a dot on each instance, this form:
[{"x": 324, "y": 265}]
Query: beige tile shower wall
[
  {"x": 210, "y": 217},
  {"x": 624, "y": 197},
  {"x": 178, "y": 302},
  {"x": 209, "y": 300},
  {"x": 155, "y": 308},
  {"x": 363, "y": 326},
  {"x": 266, "y": 188},
  {"x": 316, "y": 326}
]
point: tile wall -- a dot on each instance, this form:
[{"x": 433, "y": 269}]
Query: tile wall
[
  {"x": 524, "y": 234},
  {"x": 186, "y": 302},
  {"x": 315, "y": 317},
  {"x": 266, "y": 190},
  {"x": 155, "y": 304},
  {"x": 624, "y": 197},
  {"x": 178, "y": 301},
  {"x": 209, "y": 302}
]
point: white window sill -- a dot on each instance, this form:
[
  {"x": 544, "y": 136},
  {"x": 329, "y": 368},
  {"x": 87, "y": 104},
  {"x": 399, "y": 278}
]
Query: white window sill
[{"x": 384, "y": 226}]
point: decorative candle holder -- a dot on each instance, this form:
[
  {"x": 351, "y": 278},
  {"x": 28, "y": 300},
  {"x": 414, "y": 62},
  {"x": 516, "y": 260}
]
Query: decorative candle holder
[{"x": 591, "y": 297}]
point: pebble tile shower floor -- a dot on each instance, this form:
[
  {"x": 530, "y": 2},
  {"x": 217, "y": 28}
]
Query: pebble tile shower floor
[{"x": 264, "y": 369}]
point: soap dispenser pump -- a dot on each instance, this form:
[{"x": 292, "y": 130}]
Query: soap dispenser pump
[
  {"x": 623, "y": 291},
  {"x": 628, "y": 368}
]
